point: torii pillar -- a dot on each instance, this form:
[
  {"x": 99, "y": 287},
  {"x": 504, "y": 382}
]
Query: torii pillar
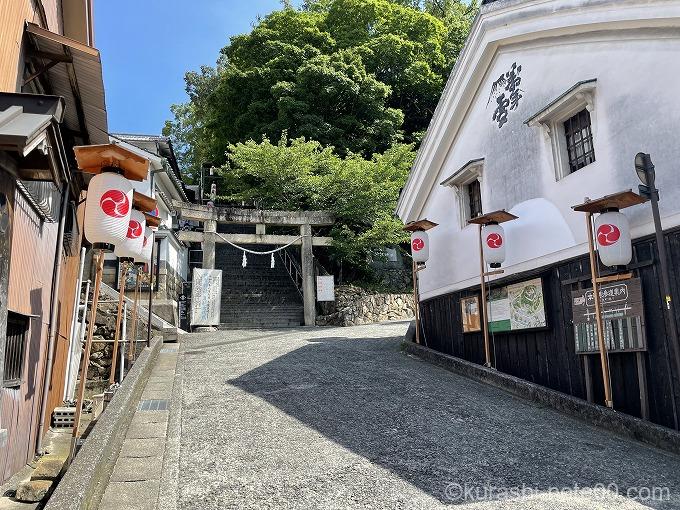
[
  {"x": 308, "y": 291},
  {"x": 208, "y": 243}
]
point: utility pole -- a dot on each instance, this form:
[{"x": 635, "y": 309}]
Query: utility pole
[{"x": 645, "y": 170}]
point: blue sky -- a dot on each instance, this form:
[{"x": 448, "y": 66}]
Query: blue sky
[{"x": 148, "y": 45}]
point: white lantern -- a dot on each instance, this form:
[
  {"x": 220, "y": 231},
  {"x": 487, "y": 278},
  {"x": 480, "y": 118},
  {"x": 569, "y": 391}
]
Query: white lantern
[
  {"x": 612, "y": 233},
  {"x": 145, "y": 256},
  {"x": 132, "y": 246},
  {"x": 493, "y": 244},
  {"x": 420, "y": 246},
  {"x": 107, "y": 210}
]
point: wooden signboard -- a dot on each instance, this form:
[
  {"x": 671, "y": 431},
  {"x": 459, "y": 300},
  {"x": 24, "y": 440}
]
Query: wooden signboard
[
  {"x": 206, "y": 297},
  {"x": 622, "y": 313}
]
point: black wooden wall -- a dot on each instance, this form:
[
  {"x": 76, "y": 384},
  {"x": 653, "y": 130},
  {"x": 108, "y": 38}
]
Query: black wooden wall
[{"x": 547, "y": 356}]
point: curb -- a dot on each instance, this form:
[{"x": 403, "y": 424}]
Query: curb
[
  {"x": 84, "y": 482},
  {"x": 598, "y": 416}
]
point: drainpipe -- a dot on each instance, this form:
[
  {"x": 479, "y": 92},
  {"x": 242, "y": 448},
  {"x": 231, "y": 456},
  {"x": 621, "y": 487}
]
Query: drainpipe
[{"x": 54, "y": 327}]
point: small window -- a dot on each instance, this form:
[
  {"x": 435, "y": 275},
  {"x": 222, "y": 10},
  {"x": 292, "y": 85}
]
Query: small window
[
  {"x": 15, "y": 349},
  {"x": 579, "y": 137},
  {"x": 474, "y": 194}
]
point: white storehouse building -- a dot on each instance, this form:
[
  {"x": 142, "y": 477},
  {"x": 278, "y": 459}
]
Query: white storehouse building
[{"x": 549, "y": 102}]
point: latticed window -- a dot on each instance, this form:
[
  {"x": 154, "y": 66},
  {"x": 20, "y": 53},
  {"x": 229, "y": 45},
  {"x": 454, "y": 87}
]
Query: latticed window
[
  {"x": 15, "y": 349},
  {"x": 579, "y": 135},
  {"x": 474, "y": 198}
]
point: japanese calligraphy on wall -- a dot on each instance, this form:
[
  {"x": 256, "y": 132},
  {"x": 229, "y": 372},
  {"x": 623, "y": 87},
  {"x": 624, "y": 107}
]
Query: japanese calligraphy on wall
[
  {"x": 622, "y": 313},
  {"x": 506, "y": 93},
  {"x": 206, "y": 297}
]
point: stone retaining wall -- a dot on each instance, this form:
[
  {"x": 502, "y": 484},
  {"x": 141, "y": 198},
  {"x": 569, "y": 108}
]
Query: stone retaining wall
[{"x": 354, "y": 306}]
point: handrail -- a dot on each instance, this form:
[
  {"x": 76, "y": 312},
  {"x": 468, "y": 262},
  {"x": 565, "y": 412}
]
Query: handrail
[{"x": 294, "y": 271}]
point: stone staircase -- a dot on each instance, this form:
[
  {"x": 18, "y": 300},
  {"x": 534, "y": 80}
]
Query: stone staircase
[{"x": 256, "y": 296}]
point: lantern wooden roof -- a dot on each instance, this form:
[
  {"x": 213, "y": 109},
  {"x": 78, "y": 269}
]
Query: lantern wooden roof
[
  {"x": 93, "y": 158},
  {"x": 619, "y": 200},
  {"x": 143, "y": 203},
  {"x": 419, "y": 225},
  {"x": 152, "y": 221},
  {"x": 500, "y": 216}
]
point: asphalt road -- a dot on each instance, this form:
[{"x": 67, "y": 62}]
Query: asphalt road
[{"x": 341, "y": 418}]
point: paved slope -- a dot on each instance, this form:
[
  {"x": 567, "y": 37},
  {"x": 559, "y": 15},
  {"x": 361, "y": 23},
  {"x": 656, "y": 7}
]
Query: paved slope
[{"x": 341, "y": 418}]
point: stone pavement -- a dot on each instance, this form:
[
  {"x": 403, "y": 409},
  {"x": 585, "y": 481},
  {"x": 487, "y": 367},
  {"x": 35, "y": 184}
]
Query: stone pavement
[
  {"x": 339, "y": 418},
  {"x": 135, "y": 481}
]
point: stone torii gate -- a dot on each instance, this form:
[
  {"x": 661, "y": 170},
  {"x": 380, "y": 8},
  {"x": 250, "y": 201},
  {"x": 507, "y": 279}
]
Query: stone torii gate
[{"x": 304, "y": 220}]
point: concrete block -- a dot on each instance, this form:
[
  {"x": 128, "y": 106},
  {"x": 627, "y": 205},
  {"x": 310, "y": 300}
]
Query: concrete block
[
  {"x": 33, "y": 491},
  {"x": 48, "y": 467},
  {"x": 137, "y": 448},
  {"x": 136, "y": 469},
  {"x": 146, "y": 430},
  {"x": 140, "y": 495}
]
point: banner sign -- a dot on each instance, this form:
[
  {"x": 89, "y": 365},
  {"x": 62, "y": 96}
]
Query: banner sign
[
  {"x": 517, "y": 306},
  {"x": 622, "y": 314},
  {"x": 206, "y": 294},
  {"x": 325, "y": 288}
]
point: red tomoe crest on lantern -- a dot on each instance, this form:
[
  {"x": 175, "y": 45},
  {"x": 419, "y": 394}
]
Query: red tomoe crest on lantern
[
  {"x": 420, "y": 249},
  {"x": 608, "y": 234},
  {"x": 115, "y": 203},
  {"x": 613, "y": 239},
  {"x": 494, "y": 240},
  {"x": 135, "y": 229}
]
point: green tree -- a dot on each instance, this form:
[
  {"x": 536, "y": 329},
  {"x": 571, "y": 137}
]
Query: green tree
[
  {"x": 358, "y": 75},
  {"x": 299, "y": 174}
]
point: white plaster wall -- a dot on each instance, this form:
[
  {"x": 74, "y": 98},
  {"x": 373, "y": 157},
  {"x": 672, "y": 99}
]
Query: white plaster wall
[{"x": 637, "y": 108}]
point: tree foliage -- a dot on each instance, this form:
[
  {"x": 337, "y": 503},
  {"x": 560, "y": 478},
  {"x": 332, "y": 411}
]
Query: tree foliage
[
  {"x": 299, "y": 174},
  {"x": 357, "y": 75}
]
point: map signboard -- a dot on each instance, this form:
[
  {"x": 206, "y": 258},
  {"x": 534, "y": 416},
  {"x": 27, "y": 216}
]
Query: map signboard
[
  {"x": 622, "y": 314},
  {"x": 206, "y": 293},
  {"x": 517, "y": 306}
]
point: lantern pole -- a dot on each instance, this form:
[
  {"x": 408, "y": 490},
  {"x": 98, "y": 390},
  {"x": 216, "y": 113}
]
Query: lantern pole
[
  {"x": 86, "y": 355},
  {"x": 119, "y": 316},
  {"x": 413, "y": 227},
  {"x": 604, "y": 359},
  {"x": 151, "y": 269},
  {"x": 482, "y": 273},
  {"x": 416, "y": 303},
  {"x": 135, "y": 312}
]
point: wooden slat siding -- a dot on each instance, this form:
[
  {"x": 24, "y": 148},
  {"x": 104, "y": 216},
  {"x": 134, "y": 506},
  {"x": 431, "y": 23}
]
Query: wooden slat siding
[
  {"x": 13, "y": 15},
  {"x": 548, "y": 357},
  {"x": 67, "y": 292},
  {"x": 30, "y": 281}
]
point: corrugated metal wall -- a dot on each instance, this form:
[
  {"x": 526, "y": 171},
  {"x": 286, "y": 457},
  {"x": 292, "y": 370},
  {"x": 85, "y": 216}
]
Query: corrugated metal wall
[{"x": 30, "y": 282}]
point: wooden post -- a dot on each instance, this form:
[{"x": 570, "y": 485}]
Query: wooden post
[
  {"x": 119, "y": 317},
  {"x": 135, "y": 311},
  {"x": 88, "y": 348},
  {"x": 642, "y": 382},
  {"x": 604, "y": 360},
  {"x": 416, "y": 307},
  {"x": 485, "y": 322}
]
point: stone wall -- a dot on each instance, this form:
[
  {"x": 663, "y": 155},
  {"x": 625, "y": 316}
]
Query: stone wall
[
  {"x": 354, "y": 306},
  {"x": 102, "y": 341}
]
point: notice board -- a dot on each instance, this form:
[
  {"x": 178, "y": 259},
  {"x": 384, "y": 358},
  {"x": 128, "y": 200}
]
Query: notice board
[{"x": 206, "y": 297}]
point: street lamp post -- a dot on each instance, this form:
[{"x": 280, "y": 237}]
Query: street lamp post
[{"x": 645, "y": 171}]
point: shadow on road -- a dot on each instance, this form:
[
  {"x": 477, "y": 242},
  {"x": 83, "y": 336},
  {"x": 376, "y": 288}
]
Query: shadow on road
[{"x": 433, "y": 428}]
